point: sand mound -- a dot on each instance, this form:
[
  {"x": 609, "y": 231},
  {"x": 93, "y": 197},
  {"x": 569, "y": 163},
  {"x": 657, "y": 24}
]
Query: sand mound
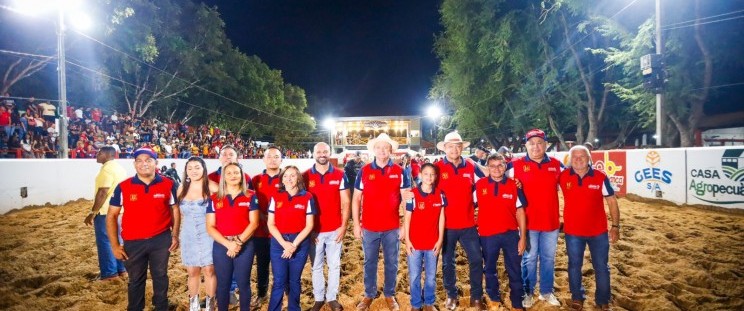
[{"x": 669, "y": 258}]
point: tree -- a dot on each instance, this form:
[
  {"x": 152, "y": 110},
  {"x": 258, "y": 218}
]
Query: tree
[{"x": 25, "y": 50}]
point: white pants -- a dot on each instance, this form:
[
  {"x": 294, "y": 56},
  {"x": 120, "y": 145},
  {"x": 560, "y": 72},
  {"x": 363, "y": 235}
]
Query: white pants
[{"x": 327, "y": 247}]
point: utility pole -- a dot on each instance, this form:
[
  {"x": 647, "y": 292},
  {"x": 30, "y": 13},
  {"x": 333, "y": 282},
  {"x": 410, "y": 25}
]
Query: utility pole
[
  {"x": 61, "y": 75},
  {"x": 660, "y": 94}
]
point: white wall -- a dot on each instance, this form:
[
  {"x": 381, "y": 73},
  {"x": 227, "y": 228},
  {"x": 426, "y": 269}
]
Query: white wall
[
  {"x": 59, "y": 181},
  {"x": 715, "y": 176},
  {"x": 654, "y": 172}
]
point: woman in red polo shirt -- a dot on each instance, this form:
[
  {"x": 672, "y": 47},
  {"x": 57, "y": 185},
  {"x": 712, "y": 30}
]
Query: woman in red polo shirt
[
  {"x": 231, "y": 220},
  {"x": 290, "y": 221}
]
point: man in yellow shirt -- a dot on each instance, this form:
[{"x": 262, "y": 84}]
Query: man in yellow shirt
[{"x": 110, "y": 175}]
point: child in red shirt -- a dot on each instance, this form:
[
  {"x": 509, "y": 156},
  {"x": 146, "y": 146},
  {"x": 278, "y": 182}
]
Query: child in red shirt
[{"x": 424, "y": 228}]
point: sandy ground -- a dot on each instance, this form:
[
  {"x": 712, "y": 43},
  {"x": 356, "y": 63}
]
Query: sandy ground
[{"x": 668, "y": 258}]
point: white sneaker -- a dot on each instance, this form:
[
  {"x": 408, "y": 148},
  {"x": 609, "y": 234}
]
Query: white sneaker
[
  {"x": 528, "y": 301},
  {"x": 550, "y": 298}
]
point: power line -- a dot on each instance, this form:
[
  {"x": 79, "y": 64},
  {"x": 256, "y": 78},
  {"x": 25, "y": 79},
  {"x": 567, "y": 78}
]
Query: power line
[
  {"x": 709, "y": 22},
  {"x": 701, "y": 19},
  {"x": 178, "y": 100}
]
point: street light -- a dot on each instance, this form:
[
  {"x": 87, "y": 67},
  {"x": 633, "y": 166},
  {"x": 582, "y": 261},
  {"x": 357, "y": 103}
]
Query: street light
[
  {"x": 32, "y": 7},
  {"x": 329, "y": 124}
]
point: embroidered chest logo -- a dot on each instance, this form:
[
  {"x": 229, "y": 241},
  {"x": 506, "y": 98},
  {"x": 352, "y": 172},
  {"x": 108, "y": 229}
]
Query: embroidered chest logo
[
  {"x": 568, "y": 186},
  {"x": 484, "y": 191},
  {"x": 299, "y": 206},
  {"x": 260, "y": 184},
  {"x": 244, "y": 204},
  {"x": 594, "y": 187},
  {"x": 552, "y": 169},
  {"x": 526, "y": 168},
  {"x": 159, "y": 195},
  {"x": 132, "y": 197},
  {"x": 421, "y": 205},
  {"x": 445, "y": 175},
  {"x": 507, "y": 196},
  {"x": 334, "y": 182},
  {"x": 220, "y": 204},
  {"x": 466, "y": 175},
  {"x": 371, "y": 176},
  {"x": 311, "y": 184},
  {"x": 393, "y": 176},
  {"x": 279, "y": 204}
]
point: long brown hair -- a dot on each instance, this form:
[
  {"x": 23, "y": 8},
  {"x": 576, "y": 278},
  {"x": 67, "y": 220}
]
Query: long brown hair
[
  {"x": 222, "y": 192},
  {"x": 300, "y": 180},
  {"x": 187, "y": 180}
]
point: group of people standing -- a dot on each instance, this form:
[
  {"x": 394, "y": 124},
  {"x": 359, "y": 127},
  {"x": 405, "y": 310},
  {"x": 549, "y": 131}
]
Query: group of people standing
[{"x": 223, "y": 220}]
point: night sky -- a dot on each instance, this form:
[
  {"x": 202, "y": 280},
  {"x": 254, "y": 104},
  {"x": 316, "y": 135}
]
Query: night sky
[{"x": 353, "y": 58}]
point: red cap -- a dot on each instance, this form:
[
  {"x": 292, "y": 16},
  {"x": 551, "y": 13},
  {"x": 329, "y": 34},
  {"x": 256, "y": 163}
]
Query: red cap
[{"x": 534, "y": 133}]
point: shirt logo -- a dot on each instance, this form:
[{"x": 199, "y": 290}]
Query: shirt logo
[
  {"x": 421, "y": 205},
  {"x": 568, "y": 186},
  {"x": 526, "y": 168},
  {"x": 299, "y": 206},
  {"x": 279, "y": 204},
  {"x": 220, "y": 204},
  {"x": 371, "y": 177},
  {"x": 244, "y": 204},
  {"x": 260, "y": 184},
  {"x": 552, "y": 169},
  {"x": 484, "y": 191},
  {"x": 445, "y": 175},
  {"x": 393, "y": 176},
  {"x": 594, "y": 187},
  {"x": 334, "y": 182},
  {"x": 311, "y": 184},
  {"x": 132, "y": 197},
  {"x": 507, "y": 196},
  {"x": 159, "y": 195},
  {"x": 466, "y": 175}
]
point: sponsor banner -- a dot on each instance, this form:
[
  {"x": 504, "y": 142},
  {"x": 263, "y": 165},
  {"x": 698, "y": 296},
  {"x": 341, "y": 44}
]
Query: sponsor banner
[
  {"x": 612, "y": 163},
  {"x": 657, "y": 174},
  {"x": 715, "y": 176}
]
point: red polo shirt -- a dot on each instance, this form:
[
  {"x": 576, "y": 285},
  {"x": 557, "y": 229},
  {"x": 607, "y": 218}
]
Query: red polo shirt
[
  {"x": 232, "y": 214},
  {"x": 540, "y": 184},
  {"x": 215, "y": 177},
  {"x": 425, "y": 209},
  {"x": 381, "y": 199},
  {"x": 457, "y": 182},
  {"x": 583, "y": 210},
  {"x": 266, "y": 187},
  {"x": 497, "y": 205},
  {"x": 148, "y": 206},
  {"x": 326, "y": 188},
  {"x": 290, "y": 211}
]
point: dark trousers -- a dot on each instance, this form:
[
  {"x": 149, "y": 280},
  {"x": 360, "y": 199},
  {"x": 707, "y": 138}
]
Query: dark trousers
[
  {"x": 492, "y": 246},
  {"x": 152, "y": 252},
  {"x": 262, "y": 264},
  {"x": 287, "y": 273},
  {"x": 470, "y": 241},
  {"x": 225, "y": 267}
]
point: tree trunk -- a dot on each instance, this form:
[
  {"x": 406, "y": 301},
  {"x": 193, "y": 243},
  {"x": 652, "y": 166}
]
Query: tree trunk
[{"x": 554, "y": 127}]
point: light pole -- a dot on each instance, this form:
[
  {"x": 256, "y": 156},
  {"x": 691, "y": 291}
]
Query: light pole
[
  {"x": 62, "y": 77},
  {"x": 434, "y": 113},
  {"x": 329, "y": 124},
  {"x": 660, "y": 94}
]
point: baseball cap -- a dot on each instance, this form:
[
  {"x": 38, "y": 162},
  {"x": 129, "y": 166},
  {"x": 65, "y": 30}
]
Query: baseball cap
[
  {"x": 534, "y": 133},
  {"x": 146, "y": 151}
]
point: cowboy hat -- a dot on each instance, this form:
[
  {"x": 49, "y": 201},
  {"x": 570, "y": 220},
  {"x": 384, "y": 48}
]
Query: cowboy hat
[
  {"x": 382, "y": 138},
  {"x": 452, "y": 137}
]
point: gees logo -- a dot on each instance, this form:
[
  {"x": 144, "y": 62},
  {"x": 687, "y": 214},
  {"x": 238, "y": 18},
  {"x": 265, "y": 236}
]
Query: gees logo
[{"x": 653, "y": 176}]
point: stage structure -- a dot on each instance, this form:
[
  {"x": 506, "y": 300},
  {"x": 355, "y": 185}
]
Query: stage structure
[{"x": 353, "y": 133}]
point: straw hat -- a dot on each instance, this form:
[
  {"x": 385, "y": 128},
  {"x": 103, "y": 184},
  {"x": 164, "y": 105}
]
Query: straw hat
[
  {"x": 454, "y": 138},
  {"x": 382, "y": 138}
]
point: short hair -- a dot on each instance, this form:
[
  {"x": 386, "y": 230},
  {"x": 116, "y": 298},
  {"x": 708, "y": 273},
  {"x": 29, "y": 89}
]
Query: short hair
[
  {"x": 230, "y": 147},
  {"x": 274, "y": 147},
  {"x": 495, "y": 157},
  {"x": 108, "y": 150},
  {"x": 582, "y": 148}
]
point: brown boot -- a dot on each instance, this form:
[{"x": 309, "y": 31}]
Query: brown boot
[
  {"x": 415, "y": 309},
  {"x": 451, "y": 303},
  {"x": 364, "y": 304},
  {"x": 392, "y": 304},
  {"x": 317, "y": 305},
  {"x": 479, "y": 304}
]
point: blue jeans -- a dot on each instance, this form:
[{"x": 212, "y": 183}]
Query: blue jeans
[
  {"x": 470, "y": 241},
  {"x": 225, "y": 267},
  {"x": 372, "y": 241},
  {"x": 492, "y": 246},
  {"x": 262, "y": 264},
  {"x": 427, "y": 261},
  {"x": 152, "y": 253},
  {"x": 287, "y": 273},
  {"x": 541, "y": 245},
  {"x": 9, "y": 131},
  {"x": 107, "y": 263},
  {"x": 599, "y": 249}
]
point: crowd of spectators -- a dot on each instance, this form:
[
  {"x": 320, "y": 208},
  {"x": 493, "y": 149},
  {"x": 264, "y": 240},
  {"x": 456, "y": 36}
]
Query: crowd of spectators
[{"x": 28, "y": 131}]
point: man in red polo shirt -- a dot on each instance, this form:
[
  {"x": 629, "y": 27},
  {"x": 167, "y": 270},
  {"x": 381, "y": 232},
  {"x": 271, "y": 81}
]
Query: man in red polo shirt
[
  {"x": 228, "y": 154},
  {"x": 266, "y": 185},
  {"x": 330, "y": 188},
  {"x": 538, "y": 174},
  {"x": 149, "y": 229},
  {"x": 585, "y": 223},
  {"x": 376, "y": 215},
  {"x": 457, "y": 177}
]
